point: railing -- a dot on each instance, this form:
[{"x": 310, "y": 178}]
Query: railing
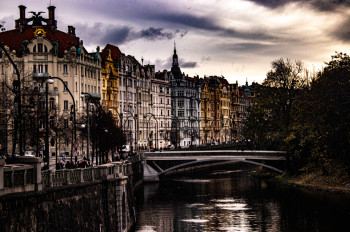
[
  {"x": 81, "y": 175},
  {"x": 19, "y": 177},
  {"x": 16, "y": 178}
]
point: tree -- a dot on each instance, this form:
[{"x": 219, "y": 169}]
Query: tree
[
  {"x": 321, "y": 125},
  {"x": 270, "y": 116}
]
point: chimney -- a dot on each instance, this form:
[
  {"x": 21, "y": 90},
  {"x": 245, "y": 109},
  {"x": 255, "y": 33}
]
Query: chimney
[
  {"x": 22, "y": 12},
  {"x": 51, "y": 22},
  {"x": 22, "y": 21},
  {"x": 71, "y": 30}
]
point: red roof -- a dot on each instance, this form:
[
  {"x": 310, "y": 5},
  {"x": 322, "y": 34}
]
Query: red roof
[
  {"x": 115, "y": 53},
  {"x": 14, "y": 39},
  {"x": 190, "y": 78}
]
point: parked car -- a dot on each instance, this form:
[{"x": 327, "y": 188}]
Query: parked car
[
  {"x": 170, "y": 147},
  {"x": 29, "y": 153}
]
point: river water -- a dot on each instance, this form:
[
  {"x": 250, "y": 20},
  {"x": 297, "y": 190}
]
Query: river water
[{"x": 225, "y": 200}]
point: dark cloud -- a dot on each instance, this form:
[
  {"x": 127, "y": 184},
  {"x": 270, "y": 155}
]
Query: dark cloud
[
  {"x": 102, "y": 34},
  {"x": 116, "y": 35},
  {"x": 321, "y": 5},
  {"x": 206, "y": 58},
  {"x": 190, "y": 64},
  {"x": 208, "y": 23},
  {"x": 342, "y": 32},
  {"x": 155, "y": 34}
]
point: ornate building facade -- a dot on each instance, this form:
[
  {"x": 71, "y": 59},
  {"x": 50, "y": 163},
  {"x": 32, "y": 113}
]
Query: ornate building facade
[
  {"x": 185, "y": 107},
  {"x": 41, "y": 51}
]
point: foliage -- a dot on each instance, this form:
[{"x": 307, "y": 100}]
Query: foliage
[
  {"x": 321, "y": 120},
  {"x": 311, "y": 121},
  {"x": 269, "y": 118}
]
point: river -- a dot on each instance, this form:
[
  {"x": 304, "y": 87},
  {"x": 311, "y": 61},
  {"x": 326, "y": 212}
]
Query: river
[{"x": 235, "y": 200}]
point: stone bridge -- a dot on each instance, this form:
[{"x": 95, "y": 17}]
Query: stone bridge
[{"x": 159, "y": 164}]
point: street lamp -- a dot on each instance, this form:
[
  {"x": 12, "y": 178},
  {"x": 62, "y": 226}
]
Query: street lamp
[
  {"x": 120, "y": 116},
  {"x": 51, "y": 81},
  {"x": 45, "y": 78},
  {"x": 17, "y": 90},
  {"x": 225, "y": 127},
  {"x": 135, "y": 121},
  {"x": 152, "y": 115},
  {"x": 93, "y": 98}
]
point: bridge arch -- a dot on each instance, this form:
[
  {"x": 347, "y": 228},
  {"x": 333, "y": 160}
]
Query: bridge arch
[{"x": 217, "y": 159}]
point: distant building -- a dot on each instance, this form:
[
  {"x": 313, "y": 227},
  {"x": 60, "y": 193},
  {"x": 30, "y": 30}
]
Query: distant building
[
  {"x": 185, "y": 102},
  {"x": 246, "y": 96}
]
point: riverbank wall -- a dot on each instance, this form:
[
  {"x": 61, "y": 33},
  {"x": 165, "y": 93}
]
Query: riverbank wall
[{"x": 94, "y": 199}]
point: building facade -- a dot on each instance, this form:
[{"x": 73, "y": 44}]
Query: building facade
[
  {"x": 185, "y": 107},
  {"x": 40, "y": 51}
]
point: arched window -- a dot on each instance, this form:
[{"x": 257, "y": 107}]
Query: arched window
[{"x": 34, "y": 48}]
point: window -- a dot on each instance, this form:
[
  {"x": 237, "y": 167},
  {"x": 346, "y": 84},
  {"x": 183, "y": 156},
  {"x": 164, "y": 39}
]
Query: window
[
  {"x": 52, "y": 122},
  {"x": 103, "y": 83},
  {"x": 45, "y": 48},
  {"x": 160, "y": 89},
  {"x": 65, "y": 69},
  {"x": 65, "y": 123},
  {"x": 40, "y": 47},
  {"x": 65, "y": 86},
  {"x": 180, "y": 103},
  {"x": 46, "y": 68},
  {"x": 34, "y": 68},
  {"x": 161, "y": 100},
  {"x": 34, "y": 48},
  {"x": 180, "y": 93},
  {"x": 52, "y": 103},
  {"x": 40, "y": 68},
  {"x": 181, "y": 113},
  {"x": 65, "y": 105}
]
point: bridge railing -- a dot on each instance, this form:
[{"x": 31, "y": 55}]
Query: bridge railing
[
  {"x": 20, "y": 177},
  {"x": 54, "y": 178},
  {"x": 23, "y": 174}
]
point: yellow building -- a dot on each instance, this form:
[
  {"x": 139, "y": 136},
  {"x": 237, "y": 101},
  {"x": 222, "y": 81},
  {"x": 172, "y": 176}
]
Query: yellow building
[
  {"x": 110, "y": 80},
  {"x": 205, "y": 112},
  {"x": 225, "y": 119}
]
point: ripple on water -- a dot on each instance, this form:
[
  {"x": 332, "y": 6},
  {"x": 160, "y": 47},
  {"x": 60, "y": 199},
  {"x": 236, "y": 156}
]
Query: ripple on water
[
  {"x": 192, "y": 180},
  {"x": 195, "y": 205},
  {"x": 146, "y": 229},
  {"x": 195, "y": 220}
]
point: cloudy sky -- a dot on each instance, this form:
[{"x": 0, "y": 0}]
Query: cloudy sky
[{"x": 234, "y": 38}]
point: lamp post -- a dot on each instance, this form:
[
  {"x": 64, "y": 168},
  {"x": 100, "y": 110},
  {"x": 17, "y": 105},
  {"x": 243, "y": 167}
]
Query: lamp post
[
  {"x": 152, "y": 115},
  {"x": 17, "y": 90},
  {"x": 93, "y": 98},
  {"x": 51, "y": 81},
  {"x": 135, "y": 121},
  {"x": 120, "y": 115},
  {"x": 44, "y": 77},
  {"x": 225, "y": 127}
]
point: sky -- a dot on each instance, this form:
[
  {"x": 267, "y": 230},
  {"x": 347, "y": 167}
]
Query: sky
[{"x": 237, "y": 39}]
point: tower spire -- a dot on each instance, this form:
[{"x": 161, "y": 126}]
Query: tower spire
[{"x": 175, "y": 58}]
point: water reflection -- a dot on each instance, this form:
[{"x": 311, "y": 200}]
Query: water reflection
[{"x": 234, "y": 201}]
